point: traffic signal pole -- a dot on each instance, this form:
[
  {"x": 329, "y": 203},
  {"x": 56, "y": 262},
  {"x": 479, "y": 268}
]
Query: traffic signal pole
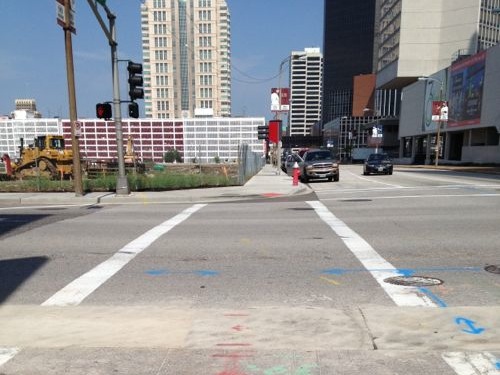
[{"x": 122, "y": 187}]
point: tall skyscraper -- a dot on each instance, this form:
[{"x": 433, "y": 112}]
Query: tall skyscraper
[
  {"x": 187, "y": 60},
  {"x": 349, "y": 50},
  {"x": 306, "y": 73}
]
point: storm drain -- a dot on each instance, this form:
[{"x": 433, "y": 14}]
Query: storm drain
[
  {"x": 413, "y": 281},
  {"x": 493, "y": 269}
]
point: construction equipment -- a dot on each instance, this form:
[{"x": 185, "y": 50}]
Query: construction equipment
[
  {"x": 132, "y": 161},
  {"x": 46, "y": 157},
  {"x": 99, "y": 168}
]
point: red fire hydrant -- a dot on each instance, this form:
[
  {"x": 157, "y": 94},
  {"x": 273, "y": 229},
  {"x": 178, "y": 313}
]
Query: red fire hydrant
[{"x": 296, "y": 174}]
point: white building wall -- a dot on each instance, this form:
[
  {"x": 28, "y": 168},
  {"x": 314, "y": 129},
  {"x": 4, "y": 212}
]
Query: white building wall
[
  {"x": 11, "y": 132},
  {"x": 432, "y": 32},
  {"x": 206, "y": 139},
  {"x": 490, "y": 114},
  {"x": 152, "y": 138}
]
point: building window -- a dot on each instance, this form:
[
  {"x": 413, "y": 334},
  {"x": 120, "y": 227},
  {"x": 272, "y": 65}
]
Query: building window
[
  {"x": 160, "y": 42},
  {"x": 206, "y": 67},
  {"x": 159, "y": 16},
  {"x": 206, "y": 80},
  {"x": 161, "y": 80},
  {"x": 161, "y": 67},
  {"x": 205, "y": 41},
  {"x": 204, "y": 3},
  {"x": 205, "y": 28},
  {"x": 205, "y": 15},
  {"x": 161, "y": 55}
]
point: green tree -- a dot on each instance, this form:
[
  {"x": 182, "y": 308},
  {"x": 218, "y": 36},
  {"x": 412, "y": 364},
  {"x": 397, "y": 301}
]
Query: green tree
[{"x": 172, "y": 155}]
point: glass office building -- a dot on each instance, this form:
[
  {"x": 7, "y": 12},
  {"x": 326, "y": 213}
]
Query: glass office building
[{"x": 349, "y": 35}]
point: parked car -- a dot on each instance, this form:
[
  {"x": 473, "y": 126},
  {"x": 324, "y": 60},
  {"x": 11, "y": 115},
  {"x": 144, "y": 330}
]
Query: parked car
[
  {"x": 319, "y": 164},
  {"x": 378, "y": 163},
  {"x": 290, "y": 162}
]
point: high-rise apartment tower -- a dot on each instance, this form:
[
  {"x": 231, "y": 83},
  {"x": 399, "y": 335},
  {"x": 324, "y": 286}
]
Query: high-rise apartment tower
[
  {"x": 306, "y": 74},
  {"x": 187, "y": 59}
]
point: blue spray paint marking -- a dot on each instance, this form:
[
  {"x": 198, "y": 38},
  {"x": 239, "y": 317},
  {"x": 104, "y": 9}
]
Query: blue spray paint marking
[
  {"x": 470, "y": 326},
  {"x": 206, "y": 273},
  {"x": 161, "y": 272},
  {"x": 401, "y": 271},
  {"x": 432, "y": 296},
  {"x": 156, "y": 272},
  {"x": 472, "y": 329}
]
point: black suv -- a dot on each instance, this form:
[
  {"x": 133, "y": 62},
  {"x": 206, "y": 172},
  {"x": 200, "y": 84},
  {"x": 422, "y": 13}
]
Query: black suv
[{"x": 378, "y": 163}]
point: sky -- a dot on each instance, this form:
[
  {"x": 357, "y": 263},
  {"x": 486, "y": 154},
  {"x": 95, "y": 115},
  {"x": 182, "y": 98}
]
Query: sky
[{"x": 33, "y": 62}]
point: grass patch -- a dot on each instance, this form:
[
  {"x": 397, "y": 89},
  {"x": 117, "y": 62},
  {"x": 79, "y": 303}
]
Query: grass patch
[{"x": 137, "y": 182}]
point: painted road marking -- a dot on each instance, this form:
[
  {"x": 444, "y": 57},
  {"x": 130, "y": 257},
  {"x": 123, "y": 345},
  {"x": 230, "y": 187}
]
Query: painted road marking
[
  {"x": 462, "y": 363},
  {"x": 76, "y": 291},
  {"x": 471, "y": 363},
  {"x": 438, "y": 301},
  {"x": 471, "y": 327},
  {"x": 371, "y": 260},
  {"x": 404, "y": 271},
  {"x": 420, "y": 196},
  {"x": 328, "y": 280},
  {"x": 376, "y": 181},
  {"x": 164, "y": 272},
  {"x": 6, "y": 354}
]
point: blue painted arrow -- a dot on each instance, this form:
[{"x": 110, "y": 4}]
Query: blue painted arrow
[{"x": 472, "y": 329}]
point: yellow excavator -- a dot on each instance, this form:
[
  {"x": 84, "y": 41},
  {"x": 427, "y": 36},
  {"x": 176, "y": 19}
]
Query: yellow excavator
[{"x": 46, "y": 157}]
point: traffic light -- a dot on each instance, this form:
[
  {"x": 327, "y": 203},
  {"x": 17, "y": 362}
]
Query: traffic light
[
  {"x": 103, "y": 110},
  {"x": 262, "y": 132},
  {"x": 133, "y": 110},
  {"x": 135, "y": 81}
]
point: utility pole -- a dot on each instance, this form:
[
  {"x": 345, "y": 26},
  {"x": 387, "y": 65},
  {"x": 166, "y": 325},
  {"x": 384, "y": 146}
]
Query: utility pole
[
  {"x": 122, "y": 187},
  {"x": 73, "y": 118}
]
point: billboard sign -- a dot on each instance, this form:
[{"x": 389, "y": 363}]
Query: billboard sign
[
  {"x": 466, "y": 90},
  {"x": 280, "y": 99}
]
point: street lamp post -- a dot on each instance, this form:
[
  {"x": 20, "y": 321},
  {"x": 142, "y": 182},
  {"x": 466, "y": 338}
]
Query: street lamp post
[
  {"x": 440, "y": 118},
  {"x": 278, "y": 113}
]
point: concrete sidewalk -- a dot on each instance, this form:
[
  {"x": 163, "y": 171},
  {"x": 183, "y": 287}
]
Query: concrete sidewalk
[{"x": 266, "y": 184}]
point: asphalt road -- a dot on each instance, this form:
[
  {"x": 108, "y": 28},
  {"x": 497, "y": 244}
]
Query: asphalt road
[{"x": 279, "y": 286}]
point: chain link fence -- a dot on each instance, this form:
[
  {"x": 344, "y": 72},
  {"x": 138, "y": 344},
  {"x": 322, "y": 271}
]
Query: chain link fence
[{"x": 250, "y": 163}]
